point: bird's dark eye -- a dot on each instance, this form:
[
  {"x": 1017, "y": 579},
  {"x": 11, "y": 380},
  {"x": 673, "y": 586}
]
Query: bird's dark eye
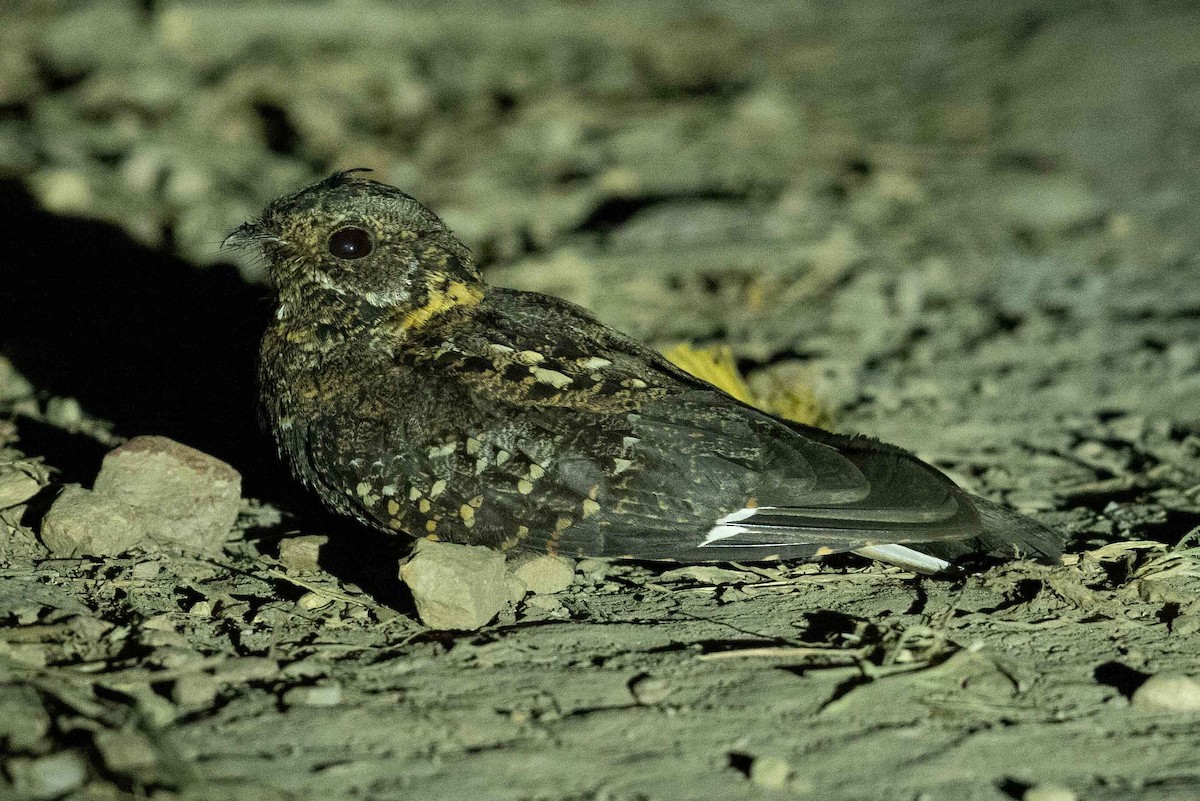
[{"x": 350, "y": 243}]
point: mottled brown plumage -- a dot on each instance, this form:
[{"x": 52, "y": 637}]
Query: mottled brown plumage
[{"x": 415, "y": 398}]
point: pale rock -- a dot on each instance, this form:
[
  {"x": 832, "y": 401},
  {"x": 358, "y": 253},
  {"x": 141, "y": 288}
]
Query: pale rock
[
  {"x": 458, "y": 587},
  {"x": 544, "y": 575},
  {"x": 47, "y": 777},
  {"x": 23, "y": 718},
  {"x": 82, "y": 523},
  {"x": 302, "y": 554},
  {"x": 194, "y": 691},
  {"x": 329, "y": 694},
  {"x": 126, "y": 752},
  {"x": 1049, "y": 792},
  {"x": 770, "y": 772},
  {"x": 188, "y": 498},
  {"x": 650, "y": 690},
  {"x": 1168, "y": 692}
]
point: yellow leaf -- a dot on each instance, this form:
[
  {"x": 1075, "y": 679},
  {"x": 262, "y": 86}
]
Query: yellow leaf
[{"x": 715, "y": 364}]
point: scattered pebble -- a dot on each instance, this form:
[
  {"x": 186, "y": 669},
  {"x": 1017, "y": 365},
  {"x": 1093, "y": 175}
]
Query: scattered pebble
[
  {"x": 1166, "y": 691},
  {"x": 47, "y": 777},
  {"x": 319, "y": 695},
  {"x": 13, "y": 385},
  {"x": 1048, "y": 792},
  {"x": 593, "y": 570},
  {"x": 23, "y": 719},
  {"x": 64, "y": 413},
  {"x": 302, "y": 553},
  {"x": 146, "y": 570},
  {"x": 709, "y": 574},
  {"x": 190, "y": 499},
  {"x": 649, "y": 690},
  {"x": 126, "y": 752},
  {"x": 546, "y": 605},
  {"x": 313, "y": 600},
  {"x": 544, "y": 575},
  {"x": 17, "y": 485},
  {"x": 1050, "y": 204},
  {"x": 516, "y": 588},
  {"x": 84, "y": 523},
  {"x": 194, "y": 691},
  {"x": 455, "y": 586},
  {"x": 770, "y": 773}
]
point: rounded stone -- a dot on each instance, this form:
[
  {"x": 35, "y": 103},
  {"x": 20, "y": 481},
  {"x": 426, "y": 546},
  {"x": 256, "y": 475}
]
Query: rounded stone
[
  {"x": 455, "y": 587},
  {"x": 1168, "y": 692},
  {"x": 82, "y": 523}
]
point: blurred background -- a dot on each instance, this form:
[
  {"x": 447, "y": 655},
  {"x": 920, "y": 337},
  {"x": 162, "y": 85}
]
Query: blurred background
[{"x": 964, "y": 225}]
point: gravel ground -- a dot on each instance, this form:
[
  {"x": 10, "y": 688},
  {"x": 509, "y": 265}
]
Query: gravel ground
[{"x": 972, "y": 229}]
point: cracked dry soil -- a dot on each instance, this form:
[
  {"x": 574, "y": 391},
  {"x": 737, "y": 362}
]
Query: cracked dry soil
[{"x": 973, "y": 231}]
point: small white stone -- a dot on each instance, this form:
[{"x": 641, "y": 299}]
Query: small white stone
[
  {"x": 1168, "y": 692},
  {"x": 125, "y": 751},
  {"x": 459, "y": 587},
  {"x": 313, "y": 600},
  {"x": 1049, "y": 792},
  {"x": 194, "y": 691},
  {"x": 302, "y": 553},
  {"x": 770, "y": 772},
  {"x": 544, "y": 575},
  {"x": 650, "y": 690},
  {"x": 47, "y": 777},
  {"x": 320, "y": 695}
]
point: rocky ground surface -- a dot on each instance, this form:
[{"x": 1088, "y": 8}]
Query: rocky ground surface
[{"x": 972, "y": 229}]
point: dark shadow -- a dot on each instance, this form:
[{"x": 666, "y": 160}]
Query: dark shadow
[
  {"x": 369, "y": 559},
  {"x": 1013, "y": 788},
  {"x": 741, "y": 762},
  {"x": 138, "y": 337},
  {"x": 611, "y": 213},
  {"x": 833, "y": 627},
  {"x": 156, "y": 346},
  {"x": 75, "y": 457},
  {"x": 1123, "y": 678}
]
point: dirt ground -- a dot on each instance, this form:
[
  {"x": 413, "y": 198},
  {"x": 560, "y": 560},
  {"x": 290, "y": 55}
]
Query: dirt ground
[{"x": 973, "y": 229}]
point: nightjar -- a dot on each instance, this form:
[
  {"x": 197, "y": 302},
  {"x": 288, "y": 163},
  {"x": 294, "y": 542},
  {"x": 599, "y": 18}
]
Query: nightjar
[{"x": 414, "y": 397}]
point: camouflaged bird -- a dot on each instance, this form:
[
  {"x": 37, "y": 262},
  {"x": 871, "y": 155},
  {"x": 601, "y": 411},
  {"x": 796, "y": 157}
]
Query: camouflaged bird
[{"x": 412, "y": 396}]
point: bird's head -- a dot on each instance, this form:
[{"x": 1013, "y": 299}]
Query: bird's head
[{"x": 360, "y": 241}]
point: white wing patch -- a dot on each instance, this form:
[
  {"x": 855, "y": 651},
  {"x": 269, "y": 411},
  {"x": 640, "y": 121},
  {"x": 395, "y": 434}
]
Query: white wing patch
[
  {"x": 898, "y": 555},
  {"x": 742, "y": 514},
  {"x": 907, "y": 558},
  {"x": 720, "y": 532},
  {"x": 725, "y": 527}
]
